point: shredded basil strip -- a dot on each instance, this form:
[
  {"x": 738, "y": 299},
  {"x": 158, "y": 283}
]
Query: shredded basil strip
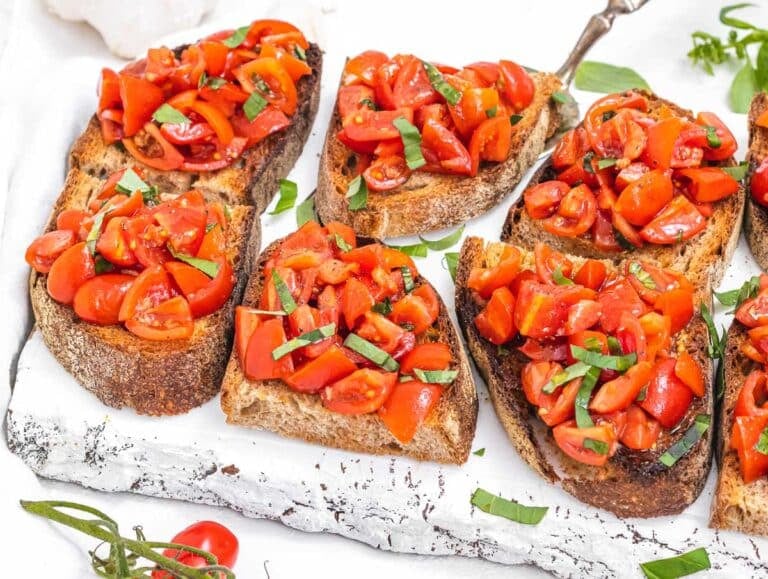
[
  {"x": 712, "y": 139},
  {"x": 614, "y": 346},
  {"x": 738, "y": 172},
  {"x": 444, "y": 242},
  {"x": 341, "y": 243},
  {"x": 691, "y": 437},
  {"x": 597, "y": 446},
  {"x": 368, "y": 103},
  {"x": 407, "y": 279},
  {"x": 680, "y": 566},
  {"x": 384, "y": 308},
  {"x": 411, "y": 138},
  {"x": 762, "y": 442},
  {"x": 512, "y": 510},
  {"x": 415, "y": 250},
  {"x": 559, "y": 278},
  {"x": 738, "y": 296},
  {"x": 208, "y": 267},
  {"x": 642, "y": 276},
  {"x": 130, "y": 182},
  {"x": 606, "y": 162},
  {"x": 600, "y": 360},
  {"x": 305, "y": 211},
  {"x": 102, "y": 265},
  {"x": 253, "y": 106},
  {"x": 514, "y": 119},
  {"x": 288, "y": 193},
  {"x": 286, "y": 299},
  {"x": 95, "y": 232},
  {"x": 588, "y": 383},
  {"x": 571, "y": 372},
  {"x": 438, "y": 82},
  {"x": 305, "y": 339},
  {"x": 371, "y": 352},
  {"x": 561, "y": 97},
  {"x": 593, "y": 344},
  {"x": 436, "y": 376},
  {"x": 357, "y": 193},
  {"x": 643, "y": 394},
  {"x": 165, "y": 113},
  {"x": 490, "y": 113},
  {"x": 606, "y": 78},
  {"x": 716, "y": 348},
  {"x": 299, "y": 52},
  {"x": 452, "y": 263},
  {"x": 479, "y": 452},
  {"x": 237, "y": 37}
]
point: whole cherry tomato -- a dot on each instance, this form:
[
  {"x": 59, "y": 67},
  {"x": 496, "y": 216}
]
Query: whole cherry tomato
[{"x": 208, "y": 536}]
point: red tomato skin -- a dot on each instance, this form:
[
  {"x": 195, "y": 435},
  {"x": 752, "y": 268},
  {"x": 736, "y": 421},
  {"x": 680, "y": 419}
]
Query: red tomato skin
[
  {"x": 71, "y": 269},
  {"x": 407, "y": 407},
  {"x": 43, "y": 251},
  {"x": 98, "y": 300},
  {"x": 206, "y": 535},
  {"x": 667, "y": 398}
]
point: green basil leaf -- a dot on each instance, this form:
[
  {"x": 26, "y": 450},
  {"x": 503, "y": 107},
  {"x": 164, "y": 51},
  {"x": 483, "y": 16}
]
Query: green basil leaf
[
  {"x": 716, "y": 348},
  {"x": 316, "y": 335},
  {"x": 614, "y": 346},
  {"x": 642, "y": 276},
  {"x": 762, "y": 442},
  {"x": 215, "y": 82},
  {"x": 130, "y": 182},
  {"x": 237, "y": 37},
  {"x": 151, "y": 197},
  {"x": 341, "y": 243},
  {"x": 371, "y": 352},
  {"x": 571, "y": 372},
  {"x": 445, "y": 242},
  {"x": 369, "y": 103},
  {"x": 735, "y": 22},
  {"x": 357, "y": 193},
  {"x": 286, "y": 299},
  {"x": 593, "y": 344},
  {"x": 597, "y": 446},
  {"x": 479, "y": 452},
  {"x": 436, "y": 376},
  {"x": 761, "y": 66},
  {"x": 165, "y": 113},
  {"x": 559, "y": 278},
  {"x": 686, "y": 443},
  {"x": 743, "y": 87},
  {"x": 712, "y": 139},
  {"x": 299, "y": 52},
  {"x": 738, "y": 172},
  {"x": 411, "y": 138},
  {"x": 416, "y": 250},
  {"x": 288, "y": 193},
  {"x": 736, "y": 297},
  {"x": 452, "y": 263},
  {"x": 450, "y": 94},
  {"x": 606, "y": 162},
  {"x": 407, "y": 279},
  {"x": 384, "y": 308},
  {"x": 561, "y": 97},
  {"x": 305, "y": 210},
  {"x": 101, "y": 265},
  {"x": 514, "y": 119},
  {"x": 512, "y": 510},
  {"x": 588, "y": 383},
  {"x": 253, "y": 106},
  {"x": 95, "y": 232},
  {"x": 680, "y": 566},
  {"x": 490, "y": 113},
  {"x": 619, "y": 363},
  {"x": 208, "y": 267},
  {"x": 606, "y": 78}
]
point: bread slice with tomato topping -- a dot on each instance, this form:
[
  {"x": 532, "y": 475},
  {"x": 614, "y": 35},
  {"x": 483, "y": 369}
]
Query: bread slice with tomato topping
[
  {"x": 756, "y": 215},
  {"x": 598, "y": 390},
  {"x": 126, "y": 304},
  {"x": 462, "y": 158},
  {"x": 740, "y": 502},
  {"x": 341, "y": 342},
  {"x": 249, "y": 98},
  {"x": 639, "y": 177}
]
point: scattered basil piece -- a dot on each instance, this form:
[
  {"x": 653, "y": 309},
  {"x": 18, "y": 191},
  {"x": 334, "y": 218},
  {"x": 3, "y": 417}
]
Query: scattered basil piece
[
  {"x": 305, "y": 339},
  {"x": 744, "y": 85},
  {"x": 95, "y": 232},
  {"x": 716, "y": 348},
  {"x": 736, "y": 297},
  {"x": 416, "y": 250},
  {"x": 738, "y": 172},
  {"x": 341, "y": 243},
  {"x": 215, "y": 82},
  {"x": 151, "y": 197},
  {"x": 288, "y": 193},
  {"x": 593, "y": 344},
  {"x": 130, "y": 182},
  {"x": 691, "y": 437},
  {"x": 512, "y": 510},
  {"x": 202, "y": 80},
  {"x": 411, "y": 138},
  {"x": 165, "y": 113},
  {"x": 597, "y": 446},
  {"x": 614, "y": 346},
  {"x": 600, "y": 360},
  {"x": 561, "y": 97},
  {"x": 286, "y": 299},
  {"x": 559, "y": 278},
  {"x": 712, "y": 139},
  {"x": 371, "y": 352},
  {"x": 369, "y": 103},
  {"x": 606, "y": 162},
  {"x": 479, "y": 452},
  {"x": 444, "y": 242},
  {"x": 210, "y": 227},
  {"x": 762, "y": 442},
  {"x": 384, "y": 308},
  {"x": 357, "y": 193},
  {"x": 436, "y": 376},
  {"x": 514, "y": 119},
  {"x": 571, "y": 372},
  {"x": 588, "y": 383},
  {"x": 643, "y": 394},
  {"x": 208, "y": 267},
  {"x": 642, "y": 276},
  {"x": 680, "y": 566},
  {"x": 253, "y": 106},
  {"x": 490, "y": 113},
  {"x": 299, "y": 52},
  {"x": 438, "y": 82},
  {"x": 101, "y": 265},
  {"x": 407, "y": 279},
  {"x": 237, "y": 37},
  {"x": 305, "y": 211},
  {"x": 451, "y": 259},
  {"x": 601, "y": 77}
]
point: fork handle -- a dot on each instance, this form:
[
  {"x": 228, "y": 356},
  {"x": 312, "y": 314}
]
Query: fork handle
[{"x": 595, "y": 29}]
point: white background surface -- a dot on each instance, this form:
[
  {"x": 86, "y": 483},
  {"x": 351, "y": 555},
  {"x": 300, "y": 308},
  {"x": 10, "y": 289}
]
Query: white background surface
[{"x": 40, "y": 121}]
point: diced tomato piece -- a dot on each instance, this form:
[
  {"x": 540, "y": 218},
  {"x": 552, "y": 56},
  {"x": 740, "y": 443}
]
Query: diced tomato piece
[
  {"x": 543, "y": 199},
  {"x": 641, "y": 200},
  {"x": 330, "y": 366},
  {"x": 259, "y": 363},
  {"x": 361, "y": 392},
  {"x": 428, "y": 356},
  {"x": 753, "y": 396},
  {"x": 708, "y": 184},
  {"x": 570, "y": 438},
  {"x": 486, "y": 280},
  {"x": 169, "y": 320},
  {"x": 246, "y": 321},
  {"x": 641, "y": 431},
  {"x": 667, "y": 398},
  {"x": 356, "y": 300},
  {"x": 496, "y": 322},
  {"x": 140, "y": 99},
  {"x": 619, "y": 393},
  {"x": 746, "y": 434},
  {"x": 71, "y": 269},
  {"x": 45, "y": 250},
  {"x": 98, "y": 300},
  {"x": 678, "y": 305},
  {"x": 616, "y": 298},
  {"x": 678, "y": 221},
  {"x": 591, "y": 274}
]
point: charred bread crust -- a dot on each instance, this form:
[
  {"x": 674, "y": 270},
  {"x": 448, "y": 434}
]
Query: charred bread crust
[
  {"x": 446, "y": 435},
  {"x": 756, "y": 220},
  {"x": 632, "y": 484},
  {"x": 121, "y": 369},
  {"x": 736, "y": 506},
  {"x": 706, "y": 255},
  {"x": 250, "y": 180},
  {"x": 429, "y": 201}
]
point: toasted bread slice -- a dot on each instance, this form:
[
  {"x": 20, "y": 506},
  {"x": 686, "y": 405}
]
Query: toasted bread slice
[
  {"x": 756, "y": 218},
  {"x": 429, "y": 201},
  {"x": 122, "y": 369},
  {"x": 736, "y": 506},
  {"x": 707, "y": 254},
  {"x": 632, "y": 483},
  {"x": 445, "y": 436},
  {"x": 251, "y": 180}
]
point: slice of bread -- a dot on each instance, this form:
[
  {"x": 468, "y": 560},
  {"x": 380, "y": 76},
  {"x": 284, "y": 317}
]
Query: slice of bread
[
  {"x": 756, "y": 217},
  {"x": 122, "y": 369},
  {"x": 707, "y": 254},
  {"x": 736, "y": 506},
  {"x": 250, "y": 180},
  {"x": 445, "y": 436},
  {"x": 429, "y": 201},
  {"x": 632, "y": 483}
]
